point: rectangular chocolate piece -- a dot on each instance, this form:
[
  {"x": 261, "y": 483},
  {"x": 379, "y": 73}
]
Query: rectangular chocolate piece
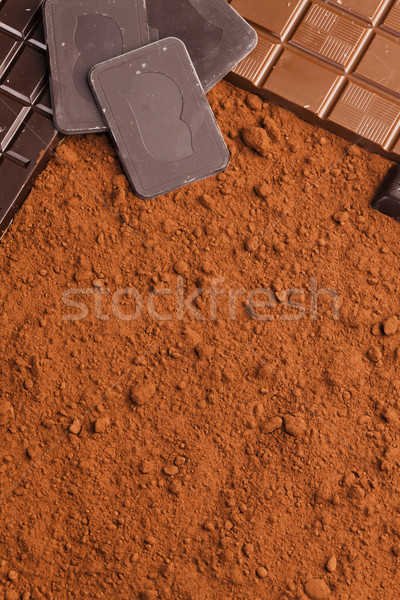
[
  {"x": 216, "y": 36},
  {"x": 335, "y": 63},
  {"x": 159, "y": 117},
  {"x": 27, "y": 133},
  {"x": 81, "y": 34}
]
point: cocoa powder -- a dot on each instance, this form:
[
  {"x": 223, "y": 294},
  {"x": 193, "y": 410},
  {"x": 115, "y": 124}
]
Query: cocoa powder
[{"x": 213, "y": 454}]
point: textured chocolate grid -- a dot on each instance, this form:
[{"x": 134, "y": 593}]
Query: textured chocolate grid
[
  {"x": 27, "y": 133},
  {"x": 334, "y": 62}
]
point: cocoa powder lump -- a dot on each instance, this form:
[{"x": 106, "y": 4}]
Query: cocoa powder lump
[{"x": 224, "y": 444}]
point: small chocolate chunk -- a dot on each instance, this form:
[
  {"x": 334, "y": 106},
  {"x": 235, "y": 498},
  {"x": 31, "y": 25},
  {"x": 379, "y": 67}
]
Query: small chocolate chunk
[{"x": 387, "y": 198}]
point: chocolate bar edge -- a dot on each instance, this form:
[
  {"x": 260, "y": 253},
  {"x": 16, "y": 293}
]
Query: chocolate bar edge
[
  {"x": 41, "y": 164},
  {"x": 387, "y": 196},
  {"x": 252, "y": 35},
  {"x": 309, "y": 117}
]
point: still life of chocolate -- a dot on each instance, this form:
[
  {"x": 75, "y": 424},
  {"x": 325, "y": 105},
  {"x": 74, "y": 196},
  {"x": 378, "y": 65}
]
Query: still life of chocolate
[{"x": 332, "y": 62}]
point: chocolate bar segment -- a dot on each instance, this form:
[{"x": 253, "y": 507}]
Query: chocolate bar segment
[
  {"x": 392, "y": 21},
  {"x": 159, "y": 117},
  {"x": 367, "y": 9},
  {"x": 18, "y": 16},
  {"x": 216, "y": 37},
  {"x": 387, "y": 198},
  {"x": 335, "y": 63},
  {"x": 81, "y": 34},
  {"x": 278, "y": 17},
  {"x": 27, "y": 133}
]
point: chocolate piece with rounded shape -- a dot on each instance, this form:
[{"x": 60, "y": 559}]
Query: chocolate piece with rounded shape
[
  {"x": 216, "y": 36},
  {"x": 387, "y": 198},
  {"x": 159, "y": 117},
  {"x": 80, "y": 34}
]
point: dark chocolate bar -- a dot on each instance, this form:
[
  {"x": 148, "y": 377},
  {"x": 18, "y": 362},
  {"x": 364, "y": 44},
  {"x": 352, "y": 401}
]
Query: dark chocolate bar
[
  {"x": 81, "y": 34},
  {"x": 159, "y": 117},
  {"x": 27, "y": 133},
  {"x": 336, "y": 63},
  {"x": 216, "y": 37},
  {"x": 387, "y": 198}
]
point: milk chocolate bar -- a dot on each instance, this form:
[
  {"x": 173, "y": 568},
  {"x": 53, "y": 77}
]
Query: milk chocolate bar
[
  {"x": 157, "y": 113},
  {"x": 80, "y": 34},
  {"x": 27, "y": 133},
  {"x": 335, "y": 63},
  {"x": 216, "y": 37}
]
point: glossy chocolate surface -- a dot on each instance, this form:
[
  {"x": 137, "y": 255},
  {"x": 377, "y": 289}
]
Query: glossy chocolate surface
[
  {"x": 159, "y": 118},
  {"x": 216, "y": 37},
  {"x": 27, "y": 133},
  {"x": 335, "y": 63},
  {"x": 80, "y": 34}
]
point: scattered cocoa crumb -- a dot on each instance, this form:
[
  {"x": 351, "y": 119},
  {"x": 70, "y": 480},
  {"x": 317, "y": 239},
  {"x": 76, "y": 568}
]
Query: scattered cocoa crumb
[
  {"x": 272, "y": 129},
  {"x": 251, "y": 244},
  {"x": 148, "y": 595},
  {"x": 32, "y": 452},
  {"x": 295, "y": 426},
  {"x": 331, "y": 565},
  {"x": 207, "y": 201},
  {"x": 272, "y": 425},
  {"x": 75, "y": 427},
  {"x": 28, "y": 384},
  {"x": 248, "y": 549},
  {"x": 390, "y": 415},
  {"x": 101, "y": 424},
  {"x": 170, "y": 470},
  {"x": 376, "y": 329},
  {"x": 145, "y": 466},
  {"x": 317, "y": 589},
  {"x": 254, "y": 102},
  {"x": 261, "y": 572},
  {"x": 374, "y": 354},
  {"x": 141, "y": 394},
  {"x": 262, "y": 189},
  {"x": 341, "y": 217},
  {"x": 181, "y": 267},
  {"x": 6, "y": 412},
  {"x": 390, "y": 325},
  {"x": 257, "y": 139}
]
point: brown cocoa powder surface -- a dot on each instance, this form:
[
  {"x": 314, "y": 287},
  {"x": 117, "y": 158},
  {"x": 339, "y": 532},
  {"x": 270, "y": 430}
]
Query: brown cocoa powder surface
[{"x": 216, "y": 459}]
